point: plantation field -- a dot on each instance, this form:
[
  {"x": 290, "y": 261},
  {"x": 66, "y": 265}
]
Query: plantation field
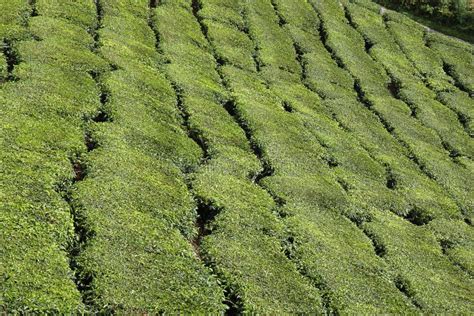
[{"x": 233, "y": 156}]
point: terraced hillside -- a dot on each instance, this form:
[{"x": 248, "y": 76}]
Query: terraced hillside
[{"x": 232, "y": 156}]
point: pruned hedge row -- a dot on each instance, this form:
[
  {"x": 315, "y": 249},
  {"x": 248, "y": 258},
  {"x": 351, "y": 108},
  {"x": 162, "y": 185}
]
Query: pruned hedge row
[
  {"x": 299, "y": 166},
  {"x": 438, "y": 74},
  {"x": 409, "y": 85},
  {"x": 134, "y": 200},
  {"x": 414, "y": 280},
  {"x": 14, "y": 18},
  {"x": 423, "y": 142},
  {"x": 314, "y": 210},
  {"x": 41, "y": 117},
  {"x": 457, "y": 59},
  {"x": 263, "y": 48},
  {"x": 413, "y": 42},
  {"x": 429, "y": 67},
  {"x": 243, "y": 245}
]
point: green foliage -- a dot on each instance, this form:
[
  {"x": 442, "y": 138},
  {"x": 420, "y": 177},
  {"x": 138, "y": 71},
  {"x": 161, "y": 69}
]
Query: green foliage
[
  {"x": 244, "y": 247},
  {"x": 41, "y": 131},
  {"x": 216, "y": 156},
  {"x": 409, "y": 84},
  {"x": 134, "y": 201},
  {"x": 14, "y": 15},
  {"x": 449, "y": 12},
  {"x": 424, "y": 143},
  {"x": 432, "y": 64},
  {"x": 433, "y": 282},
  {"x": 135, "y": 206},
  {"x": 458, "y": 61},
  {"x": 456, "y": 239},
  {"x": 309, "y": 207},
  {"x": 3, "y": 68}
]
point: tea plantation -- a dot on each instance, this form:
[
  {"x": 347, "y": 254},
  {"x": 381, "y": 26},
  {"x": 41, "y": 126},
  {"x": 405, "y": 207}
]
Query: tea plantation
[{"x": 233, "y": 156}]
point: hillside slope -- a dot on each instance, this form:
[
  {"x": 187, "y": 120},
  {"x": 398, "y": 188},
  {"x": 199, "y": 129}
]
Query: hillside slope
[{"x": 231, "y": 156}]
